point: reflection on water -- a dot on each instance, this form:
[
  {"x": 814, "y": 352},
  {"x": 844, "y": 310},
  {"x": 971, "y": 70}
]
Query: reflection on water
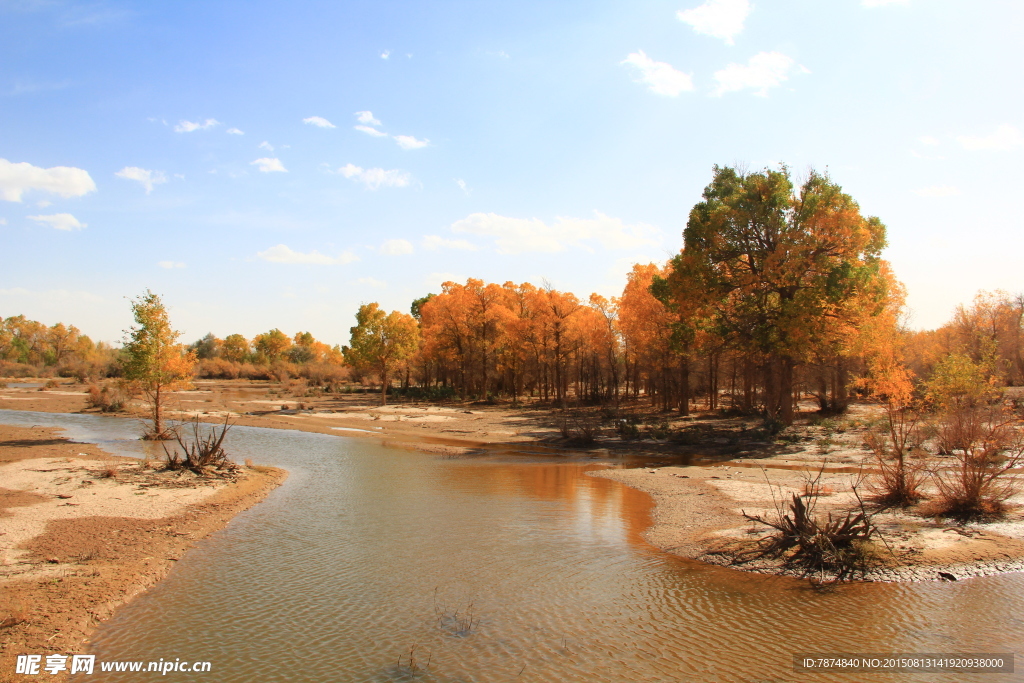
[{"x": 366, "y": 552}]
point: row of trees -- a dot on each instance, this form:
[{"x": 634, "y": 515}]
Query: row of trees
[
  {"x": 26, "y": 345},
  {"x": 778, "y": 290}
]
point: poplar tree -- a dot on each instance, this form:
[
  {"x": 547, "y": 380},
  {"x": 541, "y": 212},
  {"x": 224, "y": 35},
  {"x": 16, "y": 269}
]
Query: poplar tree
[
  {"x": 380, "y": 341},
  {"x": 779, "y": 267},
  {"x": 153, "y": 358}
]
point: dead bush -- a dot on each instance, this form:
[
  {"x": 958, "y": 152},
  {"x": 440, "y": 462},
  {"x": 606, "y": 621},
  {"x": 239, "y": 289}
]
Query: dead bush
[
  {"x": 985, "y": 445},
  {"x": 836, "y": 547},
  {"x": 577, "y": 429},
  {"x": 198, "y": 450},
  {"x": 109, "y": 399},
  {"x": 896, "y": 445},
  {"x": 219, "y": 368}
]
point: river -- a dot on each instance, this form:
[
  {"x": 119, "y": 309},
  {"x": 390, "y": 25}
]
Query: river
[{"x": 369, "y": 560}]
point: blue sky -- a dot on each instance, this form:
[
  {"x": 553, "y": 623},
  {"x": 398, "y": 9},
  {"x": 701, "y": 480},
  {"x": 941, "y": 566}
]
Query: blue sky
[{"x": 269, "y": 165}]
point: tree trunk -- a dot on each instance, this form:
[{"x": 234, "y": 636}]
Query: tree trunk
[{"x": 158, "y": 418}]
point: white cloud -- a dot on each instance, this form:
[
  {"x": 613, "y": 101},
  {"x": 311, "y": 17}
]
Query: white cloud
[
  {"x": 366, "y": 117},
  {"x": 374, "y": 178},
  {"x": 371, "y": 131},
  {"x": 234, "y": 131},
  {"x": 928, "y": 140},
  {"x": 385, "y": 54},
  {"x": 3, "y": 221},
  {"x": 1004, "y": 137},
  {"x": 882, "y": 3},
  {"x": 43, "y": 203},
  {"x": 409, "y": 142},
  {"x": 462, "y": 185},
  {"x": 266, "y": 145},
  {"x": 764, "y": 70},
  {"x": 171, "y": 264},
  {"x": 372, "y": 282},
  {"x": 517, "y": 235},
  {"x": 189, "y": 126},
  {"x": 435, "y": 242},
  {"x": 60, "y": 221},
  {"x": 661, "y": 77},
  {"x": 269, "y": 165},
  {"x": 66, "y": 181},
  {"x": 146, "y": 177},
  {"x": 717, "y": 18},
  {"x": 318, "y": 121},
  {"x": 396, "y": 247},
  {"x": 283, "y": 254},
  {"x": 937, "y": 191}
]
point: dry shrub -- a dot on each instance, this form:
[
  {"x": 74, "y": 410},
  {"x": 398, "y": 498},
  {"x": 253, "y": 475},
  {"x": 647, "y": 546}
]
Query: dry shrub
[
  {"x": 901, "y": 470},
  {"x": 986, "y": 445},
  {"x": 219, "y": 368},
  {"x": 109, "y": 399},
  {"x": 282, "y": 370},
  {"x": 200, "y": 450},
  {"x": 12, "y": 369},
  {"x": 901, "y": 476},
  {"x": 838, "y": 547},
  {"x": 577, "y": 429},
  {"x": 324, "y": 374}
]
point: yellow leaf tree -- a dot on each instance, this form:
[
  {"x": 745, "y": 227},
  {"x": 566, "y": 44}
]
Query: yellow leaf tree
[
  {"x": 153, "y": 358},
  {"x": 381, "y": 341}
]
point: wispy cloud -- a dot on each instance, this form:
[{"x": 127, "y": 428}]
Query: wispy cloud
[
  {"x": 928, "y": 140},
  {"x": 372, "y": 282},
  {"x": 190, "y": 126},
  {"x": 269, "y": 165},
  {"x": 661, "y": 77},
  {"x": 66, "y": 181},
  {"x": 1005, "y": 137},
  {"x": 266, "y": 145},
  {"x": 366, "y": 118},
  {"x": 937, "y": 191},
  {"x": 462, "y": 186},
  {"x": 170, "y": 265},
  {"x": 518, "y": 235},
  {"x": 763, "y": 71},
  {"x": 385, "y": 54},
  {"x": 146, "y": 177},
  {"x": 371, "y": 131},
  {"x": 436, "y": 242},
  {"x": 396, "y": 247},
  {"x": 283, "y": 254},
  {"x": 234, "y": 131},
  {"x": 717, "y": 18},
  {"x": 375, "y": 178},
  {"x": 318, "y": 121},
  {"x": 409, "y": 142},
  {"x": 60, "y": 221}
]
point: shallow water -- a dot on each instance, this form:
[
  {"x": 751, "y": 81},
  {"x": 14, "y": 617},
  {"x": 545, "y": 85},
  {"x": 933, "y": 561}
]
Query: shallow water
[{"x": 498, "y": 569}]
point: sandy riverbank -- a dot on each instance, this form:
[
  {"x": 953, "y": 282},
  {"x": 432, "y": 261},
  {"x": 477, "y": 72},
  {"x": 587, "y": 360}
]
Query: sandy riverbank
[{"x": 76, "y": 542}]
